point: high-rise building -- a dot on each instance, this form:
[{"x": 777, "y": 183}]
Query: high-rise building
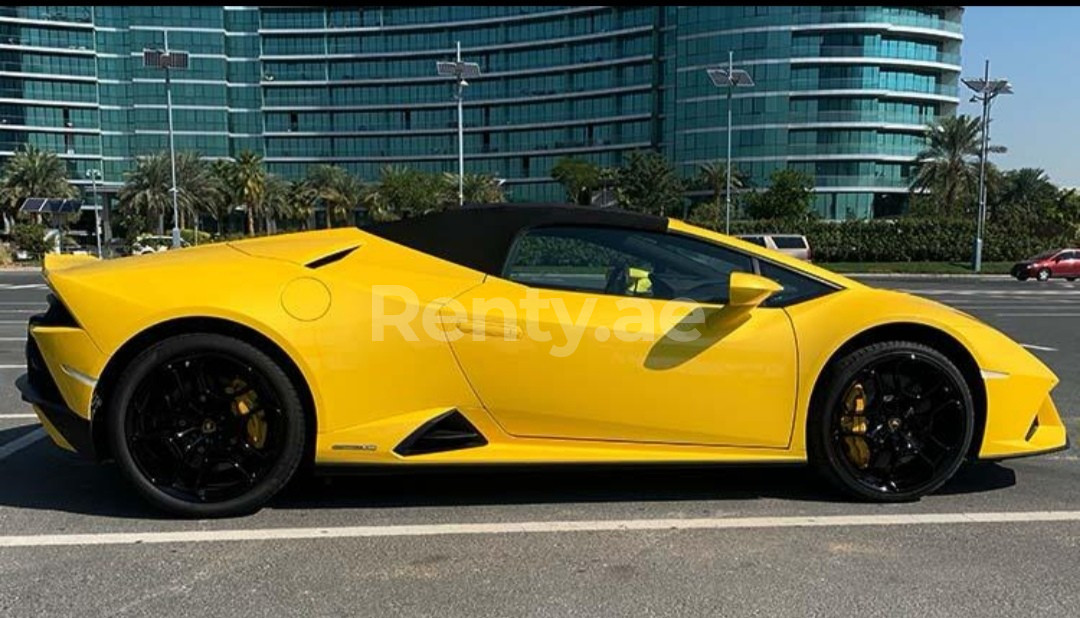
[{"x": 842, "y": 93}]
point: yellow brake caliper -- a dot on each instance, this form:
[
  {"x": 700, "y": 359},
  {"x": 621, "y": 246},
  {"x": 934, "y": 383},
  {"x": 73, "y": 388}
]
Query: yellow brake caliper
[
  {"x": 245, "y": 404},
  {"x": 853, "y": 422}
]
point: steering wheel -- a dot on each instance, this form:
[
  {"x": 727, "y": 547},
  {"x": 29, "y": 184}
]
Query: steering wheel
[{"x": 618, "y": 279}]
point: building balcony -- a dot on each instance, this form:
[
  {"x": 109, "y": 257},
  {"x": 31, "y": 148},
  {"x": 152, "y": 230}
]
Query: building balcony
[
  {"x": 855, "y": 148},
  {"x": 865, "y": 84},
  {"x": 861, "y": 116},
  {"x": 864, "y": 180},
  {"x": 928, "y": 21},
  {"x": 872, "y": 51}
]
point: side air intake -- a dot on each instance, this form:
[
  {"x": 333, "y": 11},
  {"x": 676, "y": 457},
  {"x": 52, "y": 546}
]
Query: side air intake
[
  {"x": 450, "y": 431},
  {"x": 330, "y": 259}
]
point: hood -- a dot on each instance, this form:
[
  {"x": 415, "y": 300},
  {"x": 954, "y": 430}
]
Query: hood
[{"x": 302, "y": 247}]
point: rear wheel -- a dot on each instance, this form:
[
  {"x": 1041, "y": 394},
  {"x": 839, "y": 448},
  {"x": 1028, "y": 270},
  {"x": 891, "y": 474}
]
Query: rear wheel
[
  {"x": 894, "y": 424},
  {"x": 1022, "y": 277},
  {"x": 1070, "y": 278},
  {"x": 205, "y": 425},
  {"x": 1043, "y": 274}
]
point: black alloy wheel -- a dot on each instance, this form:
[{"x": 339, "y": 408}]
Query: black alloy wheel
[
  {"x": 896, "y": 425},
  {"x": 205, "y": 425}
]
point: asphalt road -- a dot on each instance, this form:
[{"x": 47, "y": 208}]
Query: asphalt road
[{"x": 718, "y": 541}]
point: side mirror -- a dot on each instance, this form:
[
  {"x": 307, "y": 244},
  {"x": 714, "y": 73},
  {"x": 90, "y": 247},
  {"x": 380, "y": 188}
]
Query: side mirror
[{"x": 748, "y": 291}]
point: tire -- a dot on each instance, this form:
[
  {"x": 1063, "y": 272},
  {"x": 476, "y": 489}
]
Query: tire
[
  {"x": 244, "y": 450},
  {"x": 922, "y": 466},
  {"x": 1023, "y": 277},
  {"x": 1043, "y": 274},
  {"x": 1070, "y": 279}
]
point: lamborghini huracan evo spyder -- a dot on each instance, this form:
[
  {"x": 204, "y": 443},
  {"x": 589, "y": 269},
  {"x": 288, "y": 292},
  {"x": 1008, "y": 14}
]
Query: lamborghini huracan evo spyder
[{"x": 526, "y": 334}]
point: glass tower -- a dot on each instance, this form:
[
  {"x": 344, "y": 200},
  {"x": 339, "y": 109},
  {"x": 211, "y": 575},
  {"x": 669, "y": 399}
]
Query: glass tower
[{"x": 841, "y": 93}]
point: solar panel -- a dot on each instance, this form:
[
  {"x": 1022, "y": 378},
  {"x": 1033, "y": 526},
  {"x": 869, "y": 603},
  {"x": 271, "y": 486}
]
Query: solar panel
[
  {"x": 470, "y": 69},
  {"x": 448, "y": 69},
  {"x": 157, "y": 59},
  {"x": 455, "y": 69},
  {"x": 33, "y": 204},
  {"x": 69, "y": 206}
]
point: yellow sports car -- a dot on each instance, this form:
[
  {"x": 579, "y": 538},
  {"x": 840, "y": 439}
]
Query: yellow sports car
[{"x": 526, "y": 334}]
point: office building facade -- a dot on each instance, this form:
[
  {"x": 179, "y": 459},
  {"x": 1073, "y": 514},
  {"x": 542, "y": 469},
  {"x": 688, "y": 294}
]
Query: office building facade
[{"x": 842, "y": 93}]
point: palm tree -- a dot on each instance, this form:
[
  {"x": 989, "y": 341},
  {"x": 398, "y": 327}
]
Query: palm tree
[
  {"x": 580, "y": 178},
  {"x": 225, "y": 195},
  {"x": 335, "y": 188},
  {"x": 476, "y": 188},
  {"x": 249, "y": 182},
  {"x": 713, "y": 176},
  {"x": 197, "y": 188},
  {"x": 145, "y": 193},
  {"x": 147, "y": 190},
  {"x": 406, "y": 192},
  {"x": 284, "y": 201},
  {"x": 948, "y": 167},
  {"x": 32, "y": 172}
]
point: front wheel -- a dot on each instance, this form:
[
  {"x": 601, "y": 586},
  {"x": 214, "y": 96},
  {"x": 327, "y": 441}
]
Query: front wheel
[
  {"x": 205, "y": 425},
  {"x": 1043, "y": 274},
  {"x": 894, "y": 423}
]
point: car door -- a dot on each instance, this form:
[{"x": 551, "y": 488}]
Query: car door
[
  {"x": 589, "y": 334},
  {"x": 1070, "y": 264}
]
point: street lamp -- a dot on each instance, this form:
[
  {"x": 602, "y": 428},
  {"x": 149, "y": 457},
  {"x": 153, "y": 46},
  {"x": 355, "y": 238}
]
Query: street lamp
[
  {"x": 169, "y": 59},
  {"x": 460, "y": 71},
  {"x": 729, "y": 78},
  {"x": 94, "y": 175},
  {"x": 986, "y": 90}
]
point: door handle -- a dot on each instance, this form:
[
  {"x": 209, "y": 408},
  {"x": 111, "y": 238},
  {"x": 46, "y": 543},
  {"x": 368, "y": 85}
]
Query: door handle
[{"x": 494, "y": 328}]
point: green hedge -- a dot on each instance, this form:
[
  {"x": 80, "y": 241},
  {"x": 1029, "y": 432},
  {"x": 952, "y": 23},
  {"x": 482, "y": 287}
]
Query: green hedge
[{"x": 909, "y": 239}]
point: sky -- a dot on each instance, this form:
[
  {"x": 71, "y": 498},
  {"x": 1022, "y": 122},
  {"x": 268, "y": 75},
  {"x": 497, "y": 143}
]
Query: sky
[{"x": 1037, "y": 48}]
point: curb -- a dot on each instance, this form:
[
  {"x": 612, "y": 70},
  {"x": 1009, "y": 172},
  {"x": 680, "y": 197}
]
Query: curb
[{"x": 971, "y": 277}]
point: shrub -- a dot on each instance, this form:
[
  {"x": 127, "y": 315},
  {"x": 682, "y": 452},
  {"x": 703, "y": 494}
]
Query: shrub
[
  {"x": 189, "y": 236},
  {"x": 30, "y": 237},
  {"x": 907, "y": 239}
]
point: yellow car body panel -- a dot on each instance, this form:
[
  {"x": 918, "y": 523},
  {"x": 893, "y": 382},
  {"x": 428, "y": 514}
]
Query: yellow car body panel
[
  {"x": 741, "y": 394},
  {"x": 733, "y": 387}
]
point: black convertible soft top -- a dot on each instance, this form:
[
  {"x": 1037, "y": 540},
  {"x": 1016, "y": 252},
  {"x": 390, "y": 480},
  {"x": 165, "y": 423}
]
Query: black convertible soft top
[{"x": 480, "y": 236}]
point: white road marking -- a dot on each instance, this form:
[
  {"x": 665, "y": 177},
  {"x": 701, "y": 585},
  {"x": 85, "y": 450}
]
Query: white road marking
[
  {"x": 532, "y": 527},
  {"x": 12, "y": 338},
  {"x": 1038, "y": 315},
  {"x": 22, "y": 286},
  {"x": 19, "y": 310},
  {"x": 1040, "y": 348},
  {"x": 3, "y": 416},
  {"x": 941, "y": 292},
  {"x": 12, "y": 366},
  {"x": 21, "y": 442}
]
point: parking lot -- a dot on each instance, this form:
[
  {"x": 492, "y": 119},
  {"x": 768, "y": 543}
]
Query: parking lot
[{"x": 1000, "y": 540}]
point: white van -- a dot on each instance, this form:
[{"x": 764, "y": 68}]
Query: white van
[{"x": 791, "y": 244}]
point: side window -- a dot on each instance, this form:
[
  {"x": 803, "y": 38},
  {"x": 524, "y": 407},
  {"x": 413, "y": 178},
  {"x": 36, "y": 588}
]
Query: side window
[
  {"x": 757, "y": 240},
  {"x": 624, "y": 262},
  {"x": 789, "y": 242},
  {"x": 797, "y": 288}
]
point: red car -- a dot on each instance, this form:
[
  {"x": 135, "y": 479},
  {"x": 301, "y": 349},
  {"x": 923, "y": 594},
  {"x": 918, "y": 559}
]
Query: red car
[{"x": 1064, "y": 263}]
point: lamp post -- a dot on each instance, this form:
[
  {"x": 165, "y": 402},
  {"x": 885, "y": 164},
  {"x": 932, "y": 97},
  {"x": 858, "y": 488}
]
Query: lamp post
[
  {"x": 986, "y": 90},
  {"x": 166, "y": 60},
  {"x": 460, "y": 71},
  {"x": 94, "y": 175},
  {"x": 729, "y": 78}
]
